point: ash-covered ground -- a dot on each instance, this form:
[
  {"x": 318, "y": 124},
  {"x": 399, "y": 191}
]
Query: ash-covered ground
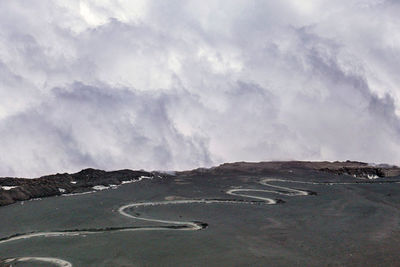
[{"x": 242, "y": 214}]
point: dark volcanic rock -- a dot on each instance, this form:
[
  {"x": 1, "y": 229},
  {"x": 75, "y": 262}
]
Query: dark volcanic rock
[{"x": 57, "y": 184}]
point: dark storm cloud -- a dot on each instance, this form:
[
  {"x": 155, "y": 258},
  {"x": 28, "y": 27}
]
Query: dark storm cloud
[{"x": 157, "y": 85}]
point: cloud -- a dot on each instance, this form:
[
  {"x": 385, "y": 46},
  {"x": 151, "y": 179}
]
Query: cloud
[{"x": 177, "y": 85}]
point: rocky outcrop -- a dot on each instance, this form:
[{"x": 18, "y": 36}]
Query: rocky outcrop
[{"x": 18, "y": 189}]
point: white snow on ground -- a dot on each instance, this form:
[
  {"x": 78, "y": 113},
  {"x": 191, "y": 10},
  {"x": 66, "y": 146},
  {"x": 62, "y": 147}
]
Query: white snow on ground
[
  {"x": 7, "y": 187},
  {"x": 128, "y": 182},
  {"x": 138, "y": 180},
  {"x": 62, "y": 190},
  {"x": 100, "y": 187},
  {"x": 73, "y": 182},
  {"x": 97, "y": 188},
  {"x": 34, "y": 199},
  {"x": 369, "y": 176},
  {"x": 103, "y": 187}
]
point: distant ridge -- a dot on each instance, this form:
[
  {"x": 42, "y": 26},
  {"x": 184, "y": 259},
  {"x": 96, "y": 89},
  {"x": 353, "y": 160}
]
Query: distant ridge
[
  {"x": 89, "y": 180},
  {"x": 353, "y": 168}
]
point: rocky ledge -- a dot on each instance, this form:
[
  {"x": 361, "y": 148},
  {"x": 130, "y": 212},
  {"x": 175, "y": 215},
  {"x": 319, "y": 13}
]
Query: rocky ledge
[{"x": 19, "y": 189}]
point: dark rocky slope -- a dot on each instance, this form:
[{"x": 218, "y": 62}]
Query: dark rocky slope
[
  {"x": 19, "y": 189},
  {"x": 57, "y": 184}
]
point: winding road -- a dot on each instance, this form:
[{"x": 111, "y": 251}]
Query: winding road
[{"x": 176, "y": 225}]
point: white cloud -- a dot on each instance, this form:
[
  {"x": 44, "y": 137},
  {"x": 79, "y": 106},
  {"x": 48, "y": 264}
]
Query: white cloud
[{"x": 179, "y": 84}]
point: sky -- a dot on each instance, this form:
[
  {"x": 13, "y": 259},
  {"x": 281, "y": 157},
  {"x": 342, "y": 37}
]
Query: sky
[{"x": 173, "y": 85}]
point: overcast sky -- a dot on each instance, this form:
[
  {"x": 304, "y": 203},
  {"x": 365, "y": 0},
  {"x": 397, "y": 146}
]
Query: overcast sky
[{"x": 182, "y": 84}]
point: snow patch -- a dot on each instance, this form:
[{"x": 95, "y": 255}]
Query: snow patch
[
  {"x": 100, "y": 187},
  {"x": 372, "y": 177},
  {"x": 97, "y": 188},
  {"x": 128, "y": 182},
  {"x": 8, "y": 187},
  {"x": 136, "y": 180},
  {"x": 62, "y": 190}
]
